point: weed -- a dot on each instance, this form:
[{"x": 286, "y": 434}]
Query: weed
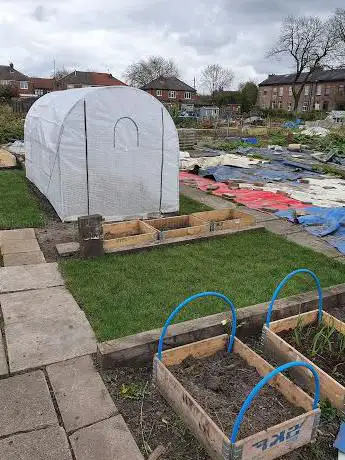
[
  {"x": 298, "y": 332},
  {"x": 132, "y": 391},
  {"x": 328, "y": 412},
  {"x": 322, "y": 340}
]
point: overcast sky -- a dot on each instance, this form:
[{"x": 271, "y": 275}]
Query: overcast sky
[{"x": 107, "y": 35}]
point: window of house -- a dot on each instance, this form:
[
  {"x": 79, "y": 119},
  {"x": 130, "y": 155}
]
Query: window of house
[
  {"x": 319, "y": 90},
  {"x": 39, "y": 92},
  {"x": 159, "y": 93},
  {"x": 289, "y": 106},
  {"x": 306, "y": 90},
  {"x": 290, "y": 90},
  {"x": 341, "y": 90},
  {"x": 70, "y": 86},
  {"x": 281, "y": 91},
  {"x": 327, "y": 90},
  {"x": 275, "y": 90},
  {"x": 172, "y": 94},
  {"x": 317, "y": 106},
  {"x": 5, "y": 82},
  {"x": 305, "y": 107},
  {"x": 265, "y": 92},
  {"x": 24, "y": 85},
  {"x": 187, "y": 95},
  {"x": 280, "y": 104},
  {"x": 274, "y": 104}
]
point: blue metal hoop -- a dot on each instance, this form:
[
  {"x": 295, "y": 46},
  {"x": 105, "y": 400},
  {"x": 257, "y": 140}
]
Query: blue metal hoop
[{"x": 186, "y": 302}]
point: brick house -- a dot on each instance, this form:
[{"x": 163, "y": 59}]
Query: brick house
[
  {"x": 42, "y": 86},
  {"x": 171, "y": 91},
  {"x": 324, "y": 90},
  {"x": 79, "y": 79},
  {"x": 20, "y": 83}
]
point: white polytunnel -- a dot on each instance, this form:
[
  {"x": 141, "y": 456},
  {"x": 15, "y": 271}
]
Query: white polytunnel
[{"x": 112, "y": 151}]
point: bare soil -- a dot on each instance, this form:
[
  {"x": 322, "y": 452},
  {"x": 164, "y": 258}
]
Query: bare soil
[
  {"x": 56, "y": 232},
  {"x": 221, "y": 384}
]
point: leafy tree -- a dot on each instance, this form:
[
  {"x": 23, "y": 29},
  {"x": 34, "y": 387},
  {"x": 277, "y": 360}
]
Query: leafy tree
[
  {"x": 311, "y": 43},
  {"x": 249, "y": 95},
  {"x": 142, "y": 72},
  {"x": 7, "y": 92},
  {"x": 214, "y": 77}
]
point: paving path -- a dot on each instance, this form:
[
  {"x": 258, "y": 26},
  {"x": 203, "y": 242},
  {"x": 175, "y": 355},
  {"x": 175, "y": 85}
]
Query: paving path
[{"x": 53, "y": 403}]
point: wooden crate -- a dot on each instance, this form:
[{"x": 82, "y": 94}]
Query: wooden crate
[
  {"x": 128, "y": 233},
  {"x": 269, "y": 444},
  {"x": 179, "y": 226},
  {"x": 283, "y": 352},
  {"x": 226, "y": 219}
]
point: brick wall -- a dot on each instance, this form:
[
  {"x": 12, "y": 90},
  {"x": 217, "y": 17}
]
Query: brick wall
[
  {"x": 315, "y": 96},
  {"x": 180, "y": 96}
]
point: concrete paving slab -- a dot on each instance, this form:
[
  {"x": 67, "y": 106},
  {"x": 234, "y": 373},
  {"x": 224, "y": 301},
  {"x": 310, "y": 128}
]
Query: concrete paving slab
[
  {"x": 3, "y": 362},
  {"x": 17, "y": 234},
  {"x": 16, "y": 246},
  {"x": 25, "y": 404},
  {"x": 281, "y": 227},
  {"x": 7, "y": 160},
  {"x": 107, "y": 440},
  {"x": 313, "y": 242},
  {"x": 56, "y": 302},
  {"x": 39, "y": 342},
  {"x": 47, "y": 444},
  {"x": 80, "y": 393},
  {"x": 67, "y": 249},
  {"x": 23, "y": 258},
  {"x": 26, "y": 277}
]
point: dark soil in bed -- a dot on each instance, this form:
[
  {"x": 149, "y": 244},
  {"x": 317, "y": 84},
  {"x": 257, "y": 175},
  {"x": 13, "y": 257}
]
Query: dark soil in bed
[{"x": 221, "y": 384}]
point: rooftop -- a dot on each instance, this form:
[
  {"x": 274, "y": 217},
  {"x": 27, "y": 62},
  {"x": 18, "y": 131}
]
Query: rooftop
[
  {"x": 317, "y": 76},
  {"x": 92, "y": 79},
  {"x": 170, "y": 83},
  {"x": 8, "y": 72}
]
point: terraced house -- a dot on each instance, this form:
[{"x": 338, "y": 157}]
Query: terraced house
[{"x": 324, "y": 90}]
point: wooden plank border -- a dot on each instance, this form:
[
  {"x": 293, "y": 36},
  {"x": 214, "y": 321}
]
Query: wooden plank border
[
  {"x": 283, "y": 352},
  {"x": 226, "y": 219},
  {"x": 268, "y": 444}
]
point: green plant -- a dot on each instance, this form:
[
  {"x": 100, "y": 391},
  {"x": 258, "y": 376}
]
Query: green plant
[
  {"x": 328, "y": 412},
  {"x": 341, "y": 343},
  {"x": 322, "y": 340},
  {"x": 11, "y": 124},
  {"x": 298, "y": 332},
  {"x": 132, "y": 391}
]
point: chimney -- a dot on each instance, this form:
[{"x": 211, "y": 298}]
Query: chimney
[{"x": 11, "y": 67}]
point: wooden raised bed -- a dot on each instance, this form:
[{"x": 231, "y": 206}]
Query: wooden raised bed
[
  {"x": 226, "y": 219},
  {"x": 283, "y": 352},
  {"x": 269, "y": 444},
  {"x": 129, "y": 233},
  {"x": 179, "y": 226}
]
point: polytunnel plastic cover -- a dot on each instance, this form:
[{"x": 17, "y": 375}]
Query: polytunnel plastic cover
[{"x": 110, "y": 151}]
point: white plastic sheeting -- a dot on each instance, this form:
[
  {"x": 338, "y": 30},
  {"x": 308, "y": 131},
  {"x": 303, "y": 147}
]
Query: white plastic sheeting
[{"x": 112, "y": 151}]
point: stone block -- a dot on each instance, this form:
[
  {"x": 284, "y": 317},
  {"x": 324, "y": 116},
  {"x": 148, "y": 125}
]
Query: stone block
[
  {"x": 39, "y": 342},
  {"x": 80, "y": 393},
  {"x": 18, "y": 234},
  {"x": 281, "y": 227},
  {"x": 67, "y": 249},
  {"x": 48, "y": 444},
  {"x": 107, "y": 440},
  {"x": 3, "y": 362},
  {"x": 25, "y": 404},
  {"x": 17, "y": 246},
  {"x": 23, "y": 258},
  {"x": 26, "y": 277}
]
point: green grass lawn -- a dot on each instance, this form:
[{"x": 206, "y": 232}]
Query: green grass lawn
[
  {"x": 126, "y": 294},
  {"x": 19, "y": 206},
  {"x": 189, "y": 206}
]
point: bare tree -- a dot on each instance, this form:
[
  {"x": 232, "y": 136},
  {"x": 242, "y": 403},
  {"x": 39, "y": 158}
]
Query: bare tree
[
  {"x": 311, "y": 43},
  {"x": 144, "y": 71},
  {"x": 214, "y": 77},
  {"x": 339, "y": 22},
  {"x": 60, "y": 73}
]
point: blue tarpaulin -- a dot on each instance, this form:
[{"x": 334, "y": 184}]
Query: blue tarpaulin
[{"x": 328, "y": 223}]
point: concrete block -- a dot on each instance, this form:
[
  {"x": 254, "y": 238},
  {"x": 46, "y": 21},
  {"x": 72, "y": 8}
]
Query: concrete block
[
  {"x": 16, "y": 246},
  {"x": 39, "y": 342},
  {"x": 281, "y": 227},
  {"x": 26, "y": 277},
  {"x": 18, "y": 234},
  {"x": 80, "y": 393},
  {"x": 107, "y": 440},
  {"x": 67, "y": 249},
  {"x": 55, "y": 302},
  {"x": 25, "y": 404},
  {"x": 47, "y": 444},
  {"x": 3, "y": 362},
  {"x": 7, "y": 160},
  {"x": 23, "y": 258}
]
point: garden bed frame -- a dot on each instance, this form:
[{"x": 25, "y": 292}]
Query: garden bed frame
[
  {"x": 283, "y": 352},
  {"x": 130, "y": 233},
  {"x": 226, "y": 219},
  {"x": 179, "y": 226},
  {"x": 266, "y": 445}
]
